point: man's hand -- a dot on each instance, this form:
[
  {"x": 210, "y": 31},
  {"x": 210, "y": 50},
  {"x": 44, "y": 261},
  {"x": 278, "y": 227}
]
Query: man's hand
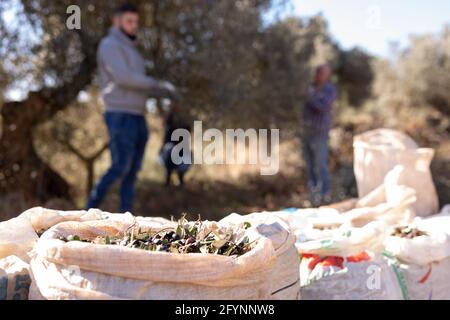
[
  {"x": 166, "y": 85},
  {"x": 170, "y": 89}
]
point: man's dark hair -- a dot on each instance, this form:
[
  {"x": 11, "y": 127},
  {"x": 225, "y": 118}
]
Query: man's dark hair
[{"x": 126, "y": 7}]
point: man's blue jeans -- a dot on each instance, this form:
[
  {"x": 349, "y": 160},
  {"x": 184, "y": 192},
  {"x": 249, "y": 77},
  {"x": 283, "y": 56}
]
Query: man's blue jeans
[
  {"x": 128, "y": 137},
  {"x": 315, "y": 151}
]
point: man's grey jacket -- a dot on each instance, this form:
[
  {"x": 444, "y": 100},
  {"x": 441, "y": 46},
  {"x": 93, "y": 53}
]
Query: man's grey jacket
[{"x": 124, "y": 84}]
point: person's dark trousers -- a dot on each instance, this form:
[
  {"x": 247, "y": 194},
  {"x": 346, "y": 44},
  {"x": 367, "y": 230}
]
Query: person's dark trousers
[
  {"x": 315, "y": 152},
  {"x": 128, "y": 137}
]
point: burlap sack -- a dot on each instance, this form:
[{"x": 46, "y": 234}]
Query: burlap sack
[{"x": 77, "y": 270}]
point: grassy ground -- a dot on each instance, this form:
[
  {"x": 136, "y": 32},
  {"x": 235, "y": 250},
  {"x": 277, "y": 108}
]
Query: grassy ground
[
  {"x": 214, "y": 199},
  {"x": 218, "y": 190},
  {"x": 215, "y": 191}
]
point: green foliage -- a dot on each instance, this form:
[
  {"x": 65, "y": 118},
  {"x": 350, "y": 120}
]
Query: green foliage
[{"x": 231, "y": 66}]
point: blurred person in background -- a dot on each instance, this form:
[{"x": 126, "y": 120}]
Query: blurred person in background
[
  {"x": 176, "y": 119},
  {"x": 317, "y": 118},
  {"x": 125, "y": 90}
]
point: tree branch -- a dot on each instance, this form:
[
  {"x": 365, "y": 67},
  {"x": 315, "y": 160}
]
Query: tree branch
[{"x": 59, "y": 98}]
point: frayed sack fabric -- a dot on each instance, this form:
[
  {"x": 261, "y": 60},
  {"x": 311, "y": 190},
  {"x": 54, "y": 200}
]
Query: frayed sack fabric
[
  {"x": 77, "y": 270},
  {"x": 377, "y": 152}
]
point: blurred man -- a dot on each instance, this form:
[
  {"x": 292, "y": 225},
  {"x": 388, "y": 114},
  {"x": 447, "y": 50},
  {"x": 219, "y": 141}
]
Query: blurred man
[
  {"x": 317, "y": 124},
  {"x": 125, "y": 90}
]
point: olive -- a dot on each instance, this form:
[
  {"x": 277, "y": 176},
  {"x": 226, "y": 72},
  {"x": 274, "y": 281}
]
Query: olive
[
  {"x": 168, "y": 236},
  {"x": 175, "y": 236}
]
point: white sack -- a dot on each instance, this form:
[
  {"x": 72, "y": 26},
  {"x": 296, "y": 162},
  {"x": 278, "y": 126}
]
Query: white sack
[{"x": 379, "y": 151}]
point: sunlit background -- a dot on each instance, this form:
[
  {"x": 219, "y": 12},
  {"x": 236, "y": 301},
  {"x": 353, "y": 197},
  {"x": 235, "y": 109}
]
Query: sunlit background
[{"x": 240, "y": 63}]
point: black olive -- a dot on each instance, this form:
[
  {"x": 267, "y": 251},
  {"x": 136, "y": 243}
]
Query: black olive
[{"x": 175, "y": 236}]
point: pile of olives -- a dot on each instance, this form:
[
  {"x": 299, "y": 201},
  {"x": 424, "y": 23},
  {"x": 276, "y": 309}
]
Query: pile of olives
[{"x": 183, "y": 239}]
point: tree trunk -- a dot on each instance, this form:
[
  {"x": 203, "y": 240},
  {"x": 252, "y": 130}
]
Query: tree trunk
[{"x": 21, "y": 169}]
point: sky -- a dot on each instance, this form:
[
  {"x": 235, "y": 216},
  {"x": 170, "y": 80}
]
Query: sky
[{"x": 373, "y": 24}]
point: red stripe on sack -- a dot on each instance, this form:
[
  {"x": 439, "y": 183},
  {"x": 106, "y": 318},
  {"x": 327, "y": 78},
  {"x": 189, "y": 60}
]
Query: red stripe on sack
[
  {"x": 426, "y": 276},
  {"x": 313, "y": 260},
  {"x": 310, "y": 260},
  {"x": 333, "y": 262},
  {"x": 363, "y": 256}
]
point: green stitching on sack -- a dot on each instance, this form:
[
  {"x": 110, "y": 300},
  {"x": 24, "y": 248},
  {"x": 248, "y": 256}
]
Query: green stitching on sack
[{"x": 398, "y": 273}]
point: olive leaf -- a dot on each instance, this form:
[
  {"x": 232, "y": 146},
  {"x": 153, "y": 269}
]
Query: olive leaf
[
  {"x": 219, "y": 243},
  {"x": 186, "y": 237}
]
